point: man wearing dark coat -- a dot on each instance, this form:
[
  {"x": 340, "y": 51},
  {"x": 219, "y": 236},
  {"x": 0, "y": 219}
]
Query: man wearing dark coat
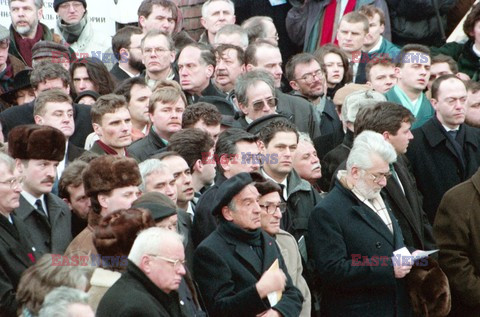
[
  {"x": 352, "y": 237},
  {"x": 156, "y": 265},
  {"x": 444, "y": 151},
  {"x": 38, "y": 150},
  {"x": 239, "y": 268},
  {"x": 16, "y": 254},
  {"x": 394, "y": 121}
]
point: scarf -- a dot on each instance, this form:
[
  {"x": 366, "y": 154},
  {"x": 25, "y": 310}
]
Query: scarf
[
  {"x": 329, "y": 22},
  {"x": 25, "y": 45},
  {"x": 71, "y": 32},
  {"x": 109, "y": 150},
  {"x": 251, "y": 237}
]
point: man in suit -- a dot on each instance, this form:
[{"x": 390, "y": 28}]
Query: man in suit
[
  {"x": 394, "y": 121},
  {"x": 238, "y": 265},
  {"x": 46, "y": 76},
  {"x": 15, "y": 252},
  {"x": 38, "y": 151},
  {"x": 353, "y": 234},
  {"x": 54, "y": 108},
  {"x": 444, "y": 151}
]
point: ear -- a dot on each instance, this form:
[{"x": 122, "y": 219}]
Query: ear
[
  {"x": 68, "y": 203},
  {"x": 40, "y": 14},
  {"x": 261, "y": 146},
  {"x": 369, "y": 83},
  {"x": 203, "y": 22},
  {"x": 250, "y": 67},
  {"x": 434, "y": 103},
  {"x": 294, "y": 85},
  {"x": 243, "y": 108},
  {"x": 382, "y": 28},
  {"x": 224, "y": 161},
  {"x": 210, "y": 70},
  {"x": 145, "y": 264},
  {"x": 19, "y": 166},
  {"x": 386, "y": 135},
  {"x": 97, "y": 129},
  {"x": 141, "y": 21},
  {"x": 227, "y": 213},
  {"x": 172, "y": 57},
  {"x": 124, "y": 54},
  {"x": 198, "y": 166},
  {"x": 103, "y": 200},
  {"x": 355, "y": 172},
  {"x": 397, "y": 72},
  {"x": 38, "y": 119}
]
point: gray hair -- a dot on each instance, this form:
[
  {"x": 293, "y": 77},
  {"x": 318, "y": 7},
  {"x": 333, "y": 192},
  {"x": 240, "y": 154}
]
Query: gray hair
[
  {"x": 150, "y": 241},
  {"x": 153, "y": 33},
  {"x": 249, "y": 79},
  {"x": 365, "y": 145},
  {"x": 207, "y": 4},
  {"x": 230, "y": 29},
  {"x": 38, "y": 3},
  {"x": 302, "y": 136},
  {"x": 8, "y": 161},
  {"x": 357, "y": 100},
  {"x": 57, "y": 301},
  {"x": 148, "y": 167}
]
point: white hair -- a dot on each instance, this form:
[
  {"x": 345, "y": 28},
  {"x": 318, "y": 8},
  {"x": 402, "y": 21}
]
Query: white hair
[
  {"x": 365, "y": 145},
  {"x": 358, "y": 100},
  {"x": 148, "y": 167},
  {"x": 230, "y": 29},
  {"x": 302, "y": 136},
  {"x": 56, "y": 302},
  {"x": 207, "y": 4},
  {"x": 150, "y": 241}
]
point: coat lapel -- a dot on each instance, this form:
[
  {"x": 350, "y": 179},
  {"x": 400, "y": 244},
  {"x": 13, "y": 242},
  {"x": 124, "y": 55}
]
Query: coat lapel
[
  {"x": 248, "y": 255},
  {"x": 374, "y": 221}
]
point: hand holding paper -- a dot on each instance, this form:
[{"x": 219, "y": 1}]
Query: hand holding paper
[{"x": 272, "y": 284}]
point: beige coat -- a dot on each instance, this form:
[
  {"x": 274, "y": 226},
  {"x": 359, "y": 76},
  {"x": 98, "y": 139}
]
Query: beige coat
[
  {"x": 289, "y": 249},
  {"x": 100, "y": 282}
]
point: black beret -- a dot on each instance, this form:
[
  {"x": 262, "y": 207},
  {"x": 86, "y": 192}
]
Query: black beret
[
  {"x": 257, "y": 125},
  {"x": 35, "y": 142},
  {"x": 157, "y": 210},
  {"x": 231, "y": 187}
]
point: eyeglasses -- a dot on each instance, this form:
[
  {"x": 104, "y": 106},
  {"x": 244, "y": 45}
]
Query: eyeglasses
[
  {"x": 376, "y": 178},
  {"x": 308, "y": 77},
  {"x": 272, "y": 208},
  {"x": 71, "y": 4},
  {"x": 13, "y": 182},
  {"x": 176, "y": 263},
  {"x": 160, "y": 50},
  {"x": 271, "y": 102},
  {"x": 4, "y": 43}
]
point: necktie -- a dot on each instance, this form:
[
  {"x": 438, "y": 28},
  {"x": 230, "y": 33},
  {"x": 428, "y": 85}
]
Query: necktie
[
  {"x": 453, "y": 133},
  {"x": 39, "y": 206}
]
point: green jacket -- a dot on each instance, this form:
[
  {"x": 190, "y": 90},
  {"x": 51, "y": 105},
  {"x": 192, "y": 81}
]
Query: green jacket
[
  {"x": 426, "y": 110},
  {"x": 468, "y": 62}
]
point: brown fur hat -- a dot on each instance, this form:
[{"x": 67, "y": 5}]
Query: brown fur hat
[
  {"x": 429, "y": 289},
  {"x": 108, "y": 172},
  {"x": 36, "y": 142}
]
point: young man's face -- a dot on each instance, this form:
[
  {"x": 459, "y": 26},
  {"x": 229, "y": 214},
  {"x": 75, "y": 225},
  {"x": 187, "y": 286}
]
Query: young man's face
[
  {"x": 414, "y": 74},
  {"x": 375, "y": 30},
  {"x": 351, "y": 36},
  {"x": 382, "y": 78},
  {"x": 58, "y": 115},
  {"x": 39, "y": 176},
  {"x": 138, "y": 105},
  {"x": 71, "y": 12},
  {"x": 82, "y": 81},
  {"x": 115, "y": 129},
  {"x": 25, "y": 17},
  {"x": 78, "y": 202},
  {"x": 161, "y": 19},
  {"x": 4, "y": 46},
  {"x": 401, "y": 139},
  {"x": 118, "y": 198},
  {"x": 437, "y": 70},
  {"x": 280, "y": 151},
  {"x": 183, "y": 176},
  {"x": 213, "y": 130},
  {"x": 167, "y": 117}
]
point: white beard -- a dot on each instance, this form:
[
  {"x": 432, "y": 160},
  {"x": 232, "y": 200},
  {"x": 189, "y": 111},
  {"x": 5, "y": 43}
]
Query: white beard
[{"x": 365, "y": 190}]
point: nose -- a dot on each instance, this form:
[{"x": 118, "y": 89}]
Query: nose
[
  {"x": 278, "y": 70},
  {"x": 181, "y": 269},
  {"x": 410, "y": 135},
  {"x": 382, "y": 182},
  {"x": 52, "y": 171}
]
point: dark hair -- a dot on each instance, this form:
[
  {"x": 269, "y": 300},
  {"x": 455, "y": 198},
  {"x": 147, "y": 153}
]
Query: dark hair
[
  {"x": 383, "y": 61},
  {"x": 370, "y": 10},
  {"x": 298, "y": 59},
  {"x": 46, "y": 70},
  {"x": 121, "y": 39},
  {"x": 272, "y": 128},
  {"x": 472, "y": 18},
  {"x": 191, "y": 144},
  {"x": 220, "y": 50},
  {"x": 106, "y": 104},
  {"x": 399, "y": 60},
  {"x": 125, "y": 87},
  {"x": 116, "y": 232},
  {"x": 227, "y": 142},
  {"x": 452, "y": 64},
  {"x": 207, "y": 55},
  {"x": 267, "y": 187},
  {"x": 381, "y": 117},
  {"x": 145, "y": 8},
  {"x": 71, "y": 176},
  {"x": 473, "y": 86},
  {"x": 436, "y": 84},
  {"x": 163, "y": 155},
  {"x": 201, "y": 111},
  {"x": 255, "y": 27},
  {"x": 330, "y": 48},
  {"x": 97, "y": 72}
]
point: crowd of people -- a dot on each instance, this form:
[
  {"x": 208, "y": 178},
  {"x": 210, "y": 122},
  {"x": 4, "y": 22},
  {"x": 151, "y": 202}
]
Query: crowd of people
[{"x": 302, "y": 158}]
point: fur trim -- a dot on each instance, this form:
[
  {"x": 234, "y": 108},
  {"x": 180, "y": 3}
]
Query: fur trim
[
  {"x": 428, "y": 289},
  {"x": 108, "y": 172},
  {"x": 36, "y": 142}
]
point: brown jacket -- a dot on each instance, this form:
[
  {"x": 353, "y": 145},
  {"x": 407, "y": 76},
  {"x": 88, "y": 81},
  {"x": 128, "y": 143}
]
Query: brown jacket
[{"x": 457, "y": 232}]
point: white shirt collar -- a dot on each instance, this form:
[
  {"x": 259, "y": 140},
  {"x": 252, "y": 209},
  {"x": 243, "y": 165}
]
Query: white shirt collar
[
  {"x": 284, "y": 183},
  {"x": 32, "y": 199},
  {"x": 377, "y": 46}
]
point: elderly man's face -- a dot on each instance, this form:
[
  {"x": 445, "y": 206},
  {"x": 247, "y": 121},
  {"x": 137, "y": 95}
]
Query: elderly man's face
[
  {"x": 306, "y": 162},
  {"x": 10, "y": 189},
  {"x": 270, "y": 222},
  {"x": 156, "y": 54},
  {"x": 450, "y": 104},
  {"x": 473, "y": 109},
  {"x": 71, "y": 12},
  {"x": 369, "y": 182},
  {"x": 228, "y": 69},
  {"x": 194, "y": 72},
  {"x": 247, "y": 211},
  {"x": 260, "y": 101},
  {"x": 269, "y": 59},
  {"x": 161, "y": 19},
  {"x": 25, "y": 17},
  {"x": 165, "y": 268},
  {"x": 219, "y": 13},
  {"x": 183, "y": 178},
  {"x": 162, "y": 181}
]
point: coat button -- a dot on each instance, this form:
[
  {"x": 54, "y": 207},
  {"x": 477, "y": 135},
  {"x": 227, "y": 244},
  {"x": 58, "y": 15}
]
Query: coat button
[{"x": 378, "y": 245}]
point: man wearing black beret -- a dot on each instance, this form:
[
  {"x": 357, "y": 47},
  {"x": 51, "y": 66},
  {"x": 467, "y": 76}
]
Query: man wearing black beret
[
  {"x": 38, "y": 150},
  {"x": 239, "y": 268}
]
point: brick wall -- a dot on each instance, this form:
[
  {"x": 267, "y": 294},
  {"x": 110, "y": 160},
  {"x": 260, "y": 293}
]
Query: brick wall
[{"x": 192, "y": 11}]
